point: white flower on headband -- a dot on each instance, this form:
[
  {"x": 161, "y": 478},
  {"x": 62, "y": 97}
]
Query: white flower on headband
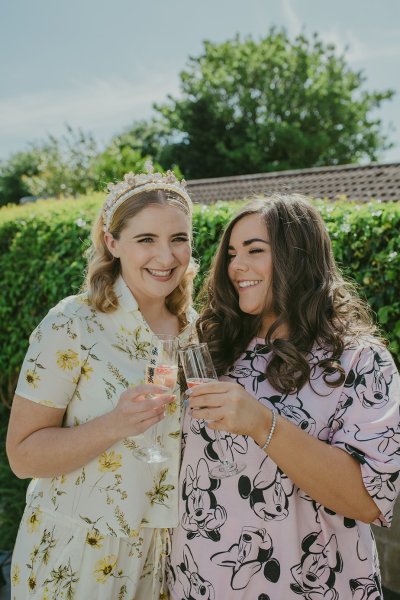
[{"x": 134, "y": 184}]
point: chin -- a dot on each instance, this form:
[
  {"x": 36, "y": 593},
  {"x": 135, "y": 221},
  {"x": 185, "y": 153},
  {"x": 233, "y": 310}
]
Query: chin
[
  {"x": 165, "y": 290},
  {"x": 250, "y": 310}
]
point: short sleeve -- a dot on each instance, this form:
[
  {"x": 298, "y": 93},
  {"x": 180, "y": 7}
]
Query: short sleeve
[
  {"x": 367, "y": 425},
  {"x": 52, "y": 365}
]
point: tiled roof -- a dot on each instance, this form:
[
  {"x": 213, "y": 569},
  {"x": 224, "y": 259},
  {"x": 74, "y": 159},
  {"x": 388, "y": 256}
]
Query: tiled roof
[{"x": 363, "y": 183}]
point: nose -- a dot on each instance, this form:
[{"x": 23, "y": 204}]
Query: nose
[
  {"x": 238, "y": 264},
  {"x": 165, "y": 256}
]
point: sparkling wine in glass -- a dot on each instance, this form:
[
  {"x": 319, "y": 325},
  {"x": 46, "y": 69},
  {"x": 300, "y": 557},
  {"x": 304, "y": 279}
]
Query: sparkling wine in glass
[
  {"x": 198, "y": 368},
  {"x": 162, "y": 370}
]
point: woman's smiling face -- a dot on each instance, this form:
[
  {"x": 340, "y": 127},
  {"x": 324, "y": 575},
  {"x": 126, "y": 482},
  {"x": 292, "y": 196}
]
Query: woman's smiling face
[
  {"x": 250, "y": 265},
  {"x": 154, "y": 251}
]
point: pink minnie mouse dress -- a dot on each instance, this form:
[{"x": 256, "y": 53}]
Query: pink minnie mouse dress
[{"x": 259, "y": 537}]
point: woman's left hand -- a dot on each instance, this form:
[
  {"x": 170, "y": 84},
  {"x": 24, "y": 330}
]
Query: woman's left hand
[{"x": 228, "y": 407}]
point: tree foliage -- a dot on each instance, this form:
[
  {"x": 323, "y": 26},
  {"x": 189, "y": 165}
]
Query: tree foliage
[
  {"x": 130, "y": 150},
  {"x": 246, "y": 106},
  {"x": 255, "y": 106},
  {"x": 53, "y": 167},
  {"x": 65, "y": 167},
  {"x": 13, "y": 176}
]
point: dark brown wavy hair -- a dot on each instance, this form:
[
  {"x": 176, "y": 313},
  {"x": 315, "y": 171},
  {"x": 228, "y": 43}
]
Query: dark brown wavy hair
[{"x": 309, "y": 296}]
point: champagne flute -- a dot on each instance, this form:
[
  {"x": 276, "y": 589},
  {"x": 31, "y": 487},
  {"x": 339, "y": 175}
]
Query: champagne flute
[
  {"x": 198, "y": 368},
  {"x": 161, "y": 370}
]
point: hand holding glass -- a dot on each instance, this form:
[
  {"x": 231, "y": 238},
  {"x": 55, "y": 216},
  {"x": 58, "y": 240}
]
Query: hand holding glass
[
  {"x": 162, "y": 370},
  {"x": 198, "y": 368}
]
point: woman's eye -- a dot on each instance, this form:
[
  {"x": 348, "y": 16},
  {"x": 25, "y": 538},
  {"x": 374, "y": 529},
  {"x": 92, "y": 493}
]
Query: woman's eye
[
  {"x": 181, "y": 238},
  {"x": 146, "y": 240},
  {"x": 256, "y": 250}
]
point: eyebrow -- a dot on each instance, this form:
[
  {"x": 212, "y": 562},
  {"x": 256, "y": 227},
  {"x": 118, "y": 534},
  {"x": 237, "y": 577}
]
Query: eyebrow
[
  {"x": 251, "y": 241},
  {"x": 156, "y": 236}
]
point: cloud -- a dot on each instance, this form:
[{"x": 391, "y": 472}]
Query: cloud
[
  {"x": 356, "y": 50},
  {"x": 293, "y": 22},
  {"x": 359, "y": 51},
  {"x": 100, "y": 106}
]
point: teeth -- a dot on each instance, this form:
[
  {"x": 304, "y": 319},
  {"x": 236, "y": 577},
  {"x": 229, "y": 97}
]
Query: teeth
[
  {"x": 160, "y": 273},
  {"x": 245, "y": 284}
]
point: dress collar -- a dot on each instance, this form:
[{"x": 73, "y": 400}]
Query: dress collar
[
  {"x": 126, "y": 299},
  {"x": 128, "y": 303}
]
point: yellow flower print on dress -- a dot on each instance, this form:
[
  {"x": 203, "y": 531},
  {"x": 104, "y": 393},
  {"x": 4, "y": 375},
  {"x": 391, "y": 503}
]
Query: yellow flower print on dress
[
  {"x": 32, "y": 583},
  {"x": 170, "y": 408},
  {"x": 67, "y": 359},
  {"x": 86, "y": 370},
  {"x": 32, "y": 378},
  {"x": 160, "y": 492},
  {"x": 49, "y": 403},
  {"x": 34, "y": 553},
  {"x": 109, "y": 461},
  {"x": 132, "y": 342},
  {"x": 46, "y": 594},
  {"x": 16, "y": 575},
  {"x": 94, "y": 539},
  {"x": 105, "y": 567},
  {"x": 34, "y": 520}
]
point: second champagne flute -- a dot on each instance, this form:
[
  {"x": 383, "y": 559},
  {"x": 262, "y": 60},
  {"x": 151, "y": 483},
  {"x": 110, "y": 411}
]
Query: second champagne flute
[
  {"x": 198, "y": 368},
  {"x": 161, "y": 370}
]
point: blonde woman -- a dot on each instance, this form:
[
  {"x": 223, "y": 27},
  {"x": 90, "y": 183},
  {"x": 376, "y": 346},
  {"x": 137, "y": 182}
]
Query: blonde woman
[{"x": 95, "y": 524}]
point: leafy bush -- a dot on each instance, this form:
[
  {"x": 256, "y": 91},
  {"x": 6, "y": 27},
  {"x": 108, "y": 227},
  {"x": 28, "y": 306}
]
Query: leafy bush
[
  {"x": 41, "y": 261},
  {"x": 14, "y": 175},
  {"x": 52, "y": 167}
]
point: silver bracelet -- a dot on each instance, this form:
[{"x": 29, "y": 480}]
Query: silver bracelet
[{"x": 271, "y": 431}]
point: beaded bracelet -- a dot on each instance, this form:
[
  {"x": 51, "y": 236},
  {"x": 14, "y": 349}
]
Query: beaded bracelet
[{"x": 271, "y": 431}]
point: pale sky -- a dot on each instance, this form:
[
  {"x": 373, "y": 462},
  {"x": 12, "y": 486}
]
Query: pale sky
[{"x": 100, "y": 64}]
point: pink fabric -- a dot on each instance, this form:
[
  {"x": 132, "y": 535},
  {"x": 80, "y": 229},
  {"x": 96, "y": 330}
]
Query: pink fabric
[{"x": 257, "y": 536}]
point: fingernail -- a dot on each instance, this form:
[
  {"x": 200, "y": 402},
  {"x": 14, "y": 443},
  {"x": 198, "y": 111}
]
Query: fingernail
[{"x": 188, "y": 392}]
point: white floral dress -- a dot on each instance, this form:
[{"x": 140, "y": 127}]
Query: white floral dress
[{"x": 99, "y": 532}]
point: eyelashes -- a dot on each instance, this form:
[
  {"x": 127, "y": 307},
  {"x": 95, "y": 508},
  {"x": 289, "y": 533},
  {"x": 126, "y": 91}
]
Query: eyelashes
[
  {"x": 150, "y": 240},
  {"x": 252, "y": 251}
]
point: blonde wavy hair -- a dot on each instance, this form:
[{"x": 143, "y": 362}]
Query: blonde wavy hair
[{"x": 103, "y": 268}]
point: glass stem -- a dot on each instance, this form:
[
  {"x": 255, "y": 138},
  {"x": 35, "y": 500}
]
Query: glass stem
[
  {"x": 224, "y": 460},
  {"x": 154, "y": 434}
]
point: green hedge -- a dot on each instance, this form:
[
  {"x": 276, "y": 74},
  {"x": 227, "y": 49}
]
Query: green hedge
[{"x": 41, "y": 261}]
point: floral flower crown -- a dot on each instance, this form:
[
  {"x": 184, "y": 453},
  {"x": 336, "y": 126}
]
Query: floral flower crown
[{"x": 136, "y": 184}]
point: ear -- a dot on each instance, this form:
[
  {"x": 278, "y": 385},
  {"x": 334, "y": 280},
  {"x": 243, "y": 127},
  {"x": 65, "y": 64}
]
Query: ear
[{"x": 111, "y": 243}]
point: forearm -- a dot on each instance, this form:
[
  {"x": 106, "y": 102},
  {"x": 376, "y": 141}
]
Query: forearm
[
  {"x": 53, "y": 451},
  {"x": 329, "y": 475}
]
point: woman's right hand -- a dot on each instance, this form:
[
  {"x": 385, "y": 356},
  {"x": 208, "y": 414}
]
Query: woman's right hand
[
  {"x": 39, "y": 446},
  {"x": 139, "y": 408}
]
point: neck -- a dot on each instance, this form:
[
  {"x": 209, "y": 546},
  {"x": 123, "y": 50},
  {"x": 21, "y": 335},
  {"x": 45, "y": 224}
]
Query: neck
[
  {"x": 159, "y": 318},
  {"x": 282, "y": 332}
]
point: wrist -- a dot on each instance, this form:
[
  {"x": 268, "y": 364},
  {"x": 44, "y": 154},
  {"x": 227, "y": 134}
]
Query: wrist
[
  {"x": 109, "y": 426},
  {"x": 263, "y": 427}
]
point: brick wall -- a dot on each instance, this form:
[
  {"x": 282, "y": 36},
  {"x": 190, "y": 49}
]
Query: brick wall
[{"x": 388, "y": 542}]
